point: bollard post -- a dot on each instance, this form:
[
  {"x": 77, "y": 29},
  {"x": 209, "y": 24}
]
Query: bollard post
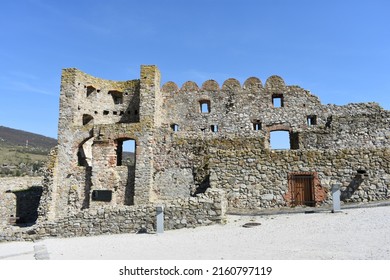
[
  {"x": 336, "y": 197},
  {"x": 160, "y": 218}
]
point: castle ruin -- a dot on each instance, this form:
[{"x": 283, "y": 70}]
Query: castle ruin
[{"x": 201, "y": 151}]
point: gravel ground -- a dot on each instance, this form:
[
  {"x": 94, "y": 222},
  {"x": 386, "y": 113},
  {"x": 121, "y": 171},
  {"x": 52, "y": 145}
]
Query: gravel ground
[{"x": 361, "y": 233}]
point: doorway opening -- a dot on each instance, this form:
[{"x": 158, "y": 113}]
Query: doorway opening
[
  {"x": 126, "y": 156},
  {"x": 302, "y": 189}
]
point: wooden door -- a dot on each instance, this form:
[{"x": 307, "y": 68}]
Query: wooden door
[{"x": 302, "y": 189}]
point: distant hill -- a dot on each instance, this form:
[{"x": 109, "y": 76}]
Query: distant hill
[
  {"x": 23, "y": 153},
  {"x": 15, "y": 137}
]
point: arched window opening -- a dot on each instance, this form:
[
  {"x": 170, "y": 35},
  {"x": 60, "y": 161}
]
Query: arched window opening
[{"x": 126, "y": 152}]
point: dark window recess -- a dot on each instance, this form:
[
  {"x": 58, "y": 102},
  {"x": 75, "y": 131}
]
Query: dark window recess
[
  {"x": 115, "y": 113},
  {"x": 294, "y": 140},
  {"x": 136, "y": 112},
  {"x": 121, "y": 113},
  {"x": 117, "y": 96},
  {"x": 311, "y": 120},
  {"x": 257, "y": 125},
  {"x": 90, "y": 90},
  {"x": 105, "y": 112},
  {"x": 87, "y": 119},
  {"x": 328, "y": 121},
  {"x": 81, "y": 158},
  {"x": 175, "y": 127},
  {"x": 277, "y": 100},
  {"x": 27, "y": 203},
  {"x": 101, "y": 195},
  {"x": 204, "y": 106},
  {"x": 214, "y": 128}
]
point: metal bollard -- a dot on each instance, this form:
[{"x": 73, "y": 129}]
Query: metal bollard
[
  {"x": 160, "y": 218},
  {"x": 336, "y": 197}
]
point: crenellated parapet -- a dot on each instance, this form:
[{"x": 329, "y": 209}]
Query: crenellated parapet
[
  {"x": 273, "y": 84},
  {"x": 252, "y": 83}
]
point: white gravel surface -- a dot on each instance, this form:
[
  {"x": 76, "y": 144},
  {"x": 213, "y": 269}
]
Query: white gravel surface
[{"x": 362, "y": 233}]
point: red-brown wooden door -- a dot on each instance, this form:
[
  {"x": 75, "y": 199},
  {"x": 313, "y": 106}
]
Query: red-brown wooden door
[{"x": 302, "y": 189}]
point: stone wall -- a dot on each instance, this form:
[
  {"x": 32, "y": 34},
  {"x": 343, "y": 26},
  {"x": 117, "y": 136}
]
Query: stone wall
[
  {"x": 256, "y": 178},
  {"x": 194, "y": 139},
  {"x": 19, "y": 198},
  {"x": 205, "y": 209},
  {"x": 259, "y": 179},
  {"x": 249, "y": 111},
  {"x": 358, "y": 129}
]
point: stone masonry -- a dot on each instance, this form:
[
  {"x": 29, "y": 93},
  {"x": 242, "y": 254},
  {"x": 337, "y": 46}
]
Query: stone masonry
[{"x": 201, "y": 150}]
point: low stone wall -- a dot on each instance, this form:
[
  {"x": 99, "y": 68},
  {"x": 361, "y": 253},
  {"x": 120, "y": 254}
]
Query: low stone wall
[
  {"x": 14, "y": 190},
  {"x": 204, "y": 209},
  {"x": 256, "y": 179}
]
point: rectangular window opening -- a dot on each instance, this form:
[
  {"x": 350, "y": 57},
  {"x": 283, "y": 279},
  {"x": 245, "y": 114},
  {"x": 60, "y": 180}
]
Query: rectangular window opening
[
  {"x": 175, "y": 127},
  {"x": 126, "y": 152},
  {"x": 204, "y": 106},
  {"x": 277, "y": 100},
  {"x": 257, "y": 125},
  {"x": 311, "y": 120},
  {"x": 90, "y": 90},
  {"x": 214, "y": 128},
  {"x": 117, "y": 96}
]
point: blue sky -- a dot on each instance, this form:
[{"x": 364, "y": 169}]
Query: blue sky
[{"x": 339, "y": 50}]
